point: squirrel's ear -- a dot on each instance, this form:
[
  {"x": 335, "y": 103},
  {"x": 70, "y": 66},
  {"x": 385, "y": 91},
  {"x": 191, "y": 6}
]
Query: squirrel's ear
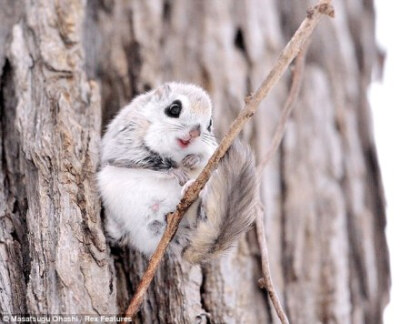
[{"x": 162, "y": 91}]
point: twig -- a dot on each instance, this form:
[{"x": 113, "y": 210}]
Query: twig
[
  {"x": 287, "y": 109},
  {"x": 252, "y": 103},
  {"x": 266, "y": 282}
]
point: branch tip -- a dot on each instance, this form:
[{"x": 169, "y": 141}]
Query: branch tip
[
  {"x": 323, "y": 8},
  {"x": 327, "y": 9}
]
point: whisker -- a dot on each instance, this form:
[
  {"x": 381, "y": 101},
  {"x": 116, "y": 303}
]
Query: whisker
[{"x": 207, "y": 141}]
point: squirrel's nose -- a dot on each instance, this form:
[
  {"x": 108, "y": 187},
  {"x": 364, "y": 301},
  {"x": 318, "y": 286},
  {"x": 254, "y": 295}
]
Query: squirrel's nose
[{"x": 195, "y": 131}]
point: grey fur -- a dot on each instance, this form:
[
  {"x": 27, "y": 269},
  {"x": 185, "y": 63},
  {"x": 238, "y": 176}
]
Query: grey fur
[
  {"x": 123, "y": 143},
  {"x": 156, "y": 227},
  {"x": 228, "y": 206},
  {"x": 152, "y": 161}
]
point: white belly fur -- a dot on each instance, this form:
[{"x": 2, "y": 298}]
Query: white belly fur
[{"x": 130, "y": 197}]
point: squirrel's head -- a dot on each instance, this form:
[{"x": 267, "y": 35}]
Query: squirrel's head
[{"x": 179, "y": 117}]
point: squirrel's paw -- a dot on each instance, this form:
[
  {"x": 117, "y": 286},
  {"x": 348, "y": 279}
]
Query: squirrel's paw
[
  {"x": 191, "y": 161},
  {"x": 179, "y": 174},
  {"x": 186, "y": 186}
]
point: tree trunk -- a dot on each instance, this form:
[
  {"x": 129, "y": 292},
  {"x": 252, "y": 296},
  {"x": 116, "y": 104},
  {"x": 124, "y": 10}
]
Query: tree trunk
[{"x": 324, "y": 207}]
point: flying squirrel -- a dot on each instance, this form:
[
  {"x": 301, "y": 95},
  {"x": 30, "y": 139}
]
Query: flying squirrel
[{"x": 151, "y": 151}]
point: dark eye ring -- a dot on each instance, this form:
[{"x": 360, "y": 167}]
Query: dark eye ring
[
  {"x": 174, "y": 109},
  {"x": 209, "y": 125}
]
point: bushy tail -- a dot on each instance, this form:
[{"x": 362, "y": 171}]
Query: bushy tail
[{"x": 227, "y": 206}]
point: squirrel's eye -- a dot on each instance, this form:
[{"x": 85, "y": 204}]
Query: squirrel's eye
[
  {"x": 209, "y": 126},
  {"x": 174, "y": 109}
]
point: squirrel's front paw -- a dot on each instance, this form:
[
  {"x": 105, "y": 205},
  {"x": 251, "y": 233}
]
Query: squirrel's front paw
[
  {"x": 186, "y": 186},
  {"x": 191, "y": 161},
  {"x": 180, "y": 175}
]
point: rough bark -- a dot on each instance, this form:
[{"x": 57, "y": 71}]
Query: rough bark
[
  {"x": 54, "y": 254},
  {"x": 322, "y": 194}
]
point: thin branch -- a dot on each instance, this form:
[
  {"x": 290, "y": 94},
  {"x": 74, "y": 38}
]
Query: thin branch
[
  {"x": 287, "y": 110},
  {"x": 252, "y": 102},
  {"x": 266, "y": 282}
]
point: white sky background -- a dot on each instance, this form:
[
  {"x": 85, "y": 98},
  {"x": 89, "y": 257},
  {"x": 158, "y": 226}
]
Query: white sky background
[{"x": 385, "y": 101}]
